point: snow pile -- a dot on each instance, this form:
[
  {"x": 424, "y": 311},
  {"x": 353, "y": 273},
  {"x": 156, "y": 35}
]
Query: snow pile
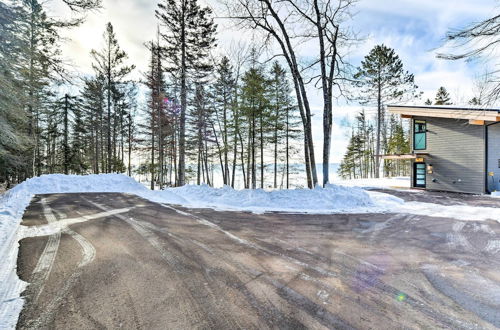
[{"x": 331, "y": 199}]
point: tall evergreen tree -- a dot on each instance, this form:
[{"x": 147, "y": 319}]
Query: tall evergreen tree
[
  {"x": 284, "y": 120},
  {"x": 188, "y": 40},
  {"x": 223, "y": 92},
  {"x": 109, "y": 63},
  {"x": 14, "y": 140},
  {"x": 93, "y": 107},
  {"x": 254, "y": 105},
  {"x": 383, "y": 79}
]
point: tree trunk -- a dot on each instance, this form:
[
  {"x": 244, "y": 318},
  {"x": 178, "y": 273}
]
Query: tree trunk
[
  {"x": 261, "y": 152},
  {"x": 379, "y": 130},
  {"x": 109, "y": 105},
  {"x": 182, "y": 122},
  {"x": 66, "y": 147},
  {"x": 152, "y": 150}
]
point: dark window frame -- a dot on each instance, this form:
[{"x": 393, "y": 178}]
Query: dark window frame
[{"x": 415, "y": 133}]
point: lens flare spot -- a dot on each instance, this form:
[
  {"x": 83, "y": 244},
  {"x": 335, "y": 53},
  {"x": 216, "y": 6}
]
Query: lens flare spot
[{"x": 401, "y": 297}]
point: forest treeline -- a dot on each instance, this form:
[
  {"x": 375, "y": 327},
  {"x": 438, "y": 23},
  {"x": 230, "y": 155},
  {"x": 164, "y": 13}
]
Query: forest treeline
[
  {"x": 245, "y": 116},
  {"x": 201, "y": 115}
]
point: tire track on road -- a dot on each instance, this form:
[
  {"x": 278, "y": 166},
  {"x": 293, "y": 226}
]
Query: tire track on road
[
  {"x": 208, "y": 317},
  {"x": 46, "y": 261},
  {"x": 44, "y": 268},
  {"x": 265, "y": 310},
  {"x": 345, "y": 274}
]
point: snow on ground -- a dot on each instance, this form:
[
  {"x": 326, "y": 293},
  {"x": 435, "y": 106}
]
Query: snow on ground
[
  {"x": 388, "y": 183},
  {"x": 332, "y": 199},
  {"x": 348, "y": 197}
]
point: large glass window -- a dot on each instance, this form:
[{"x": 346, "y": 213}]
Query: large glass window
[{"x": 419, "y": 135}]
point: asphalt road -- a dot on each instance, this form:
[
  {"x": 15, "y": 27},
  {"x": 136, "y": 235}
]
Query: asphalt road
[{"x": 124, "y": 262}]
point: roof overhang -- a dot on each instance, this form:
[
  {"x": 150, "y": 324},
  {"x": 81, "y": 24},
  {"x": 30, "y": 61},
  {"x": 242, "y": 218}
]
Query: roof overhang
[{"x": 476, "y": 116}]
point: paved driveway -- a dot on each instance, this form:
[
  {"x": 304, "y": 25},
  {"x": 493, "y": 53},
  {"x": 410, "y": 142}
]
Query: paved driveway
[{"x": 121, "y": 261}]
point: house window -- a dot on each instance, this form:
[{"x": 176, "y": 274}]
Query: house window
[{"x": 419, "y": 135}]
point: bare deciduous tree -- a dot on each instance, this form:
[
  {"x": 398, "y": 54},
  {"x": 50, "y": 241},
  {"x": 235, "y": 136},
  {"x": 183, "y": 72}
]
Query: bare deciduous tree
[
  {"x": 321, "y": 23},
  {"x": 475, "y": 41}
]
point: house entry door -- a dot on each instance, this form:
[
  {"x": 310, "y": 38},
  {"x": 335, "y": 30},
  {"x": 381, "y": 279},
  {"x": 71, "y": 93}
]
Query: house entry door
[{"x": 419, "y": 175}]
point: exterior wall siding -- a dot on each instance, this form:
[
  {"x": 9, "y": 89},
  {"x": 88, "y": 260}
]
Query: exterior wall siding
[
  {"x": 457, "y": 154},
  {"x": 494, "y": 157}
]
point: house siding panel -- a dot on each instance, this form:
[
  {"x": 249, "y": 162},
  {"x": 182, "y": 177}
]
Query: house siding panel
[
  {"x": 457, "y": 155},
  {"x": 494, "y": 157}
]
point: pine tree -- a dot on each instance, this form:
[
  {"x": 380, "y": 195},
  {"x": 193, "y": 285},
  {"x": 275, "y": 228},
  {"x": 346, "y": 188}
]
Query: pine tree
[
  {"x": 383, "y": 79},
  {"x": 202, "y": 134},
  {"x": 188, "y": 41},
  {"x": 41, "y": 65},
  {"x": 223, "y": 92},
  {"x": 254, "y": 106},
  {"x": 79, "y": 163},
  {"x": 475, "y": 101},
  {"x": 93, "y": 107},
  {"x": 284, "y": 119},
  {"x": 358, "y": 161},
  {"x": 109, "y": 63},
  {"x": 442, "y": 97},
  {"x": 397, "y": 144},
  {"x": 14, "y": 140}
]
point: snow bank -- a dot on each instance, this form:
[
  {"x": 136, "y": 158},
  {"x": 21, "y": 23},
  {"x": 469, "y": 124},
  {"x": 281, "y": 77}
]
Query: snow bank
[{"x": 331, "y": 199}]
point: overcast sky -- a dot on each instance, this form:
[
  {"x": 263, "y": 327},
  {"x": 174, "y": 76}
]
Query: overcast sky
[{"x": 414, "y": 28}]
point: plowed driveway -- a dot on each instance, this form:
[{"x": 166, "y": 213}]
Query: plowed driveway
[{"x": 124, "y": 262}]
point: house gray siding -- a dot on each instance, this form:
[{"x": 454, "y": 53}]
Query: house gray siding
[
  {"x": 456, "y": 151},
  {"x": 494, "y": 157}
]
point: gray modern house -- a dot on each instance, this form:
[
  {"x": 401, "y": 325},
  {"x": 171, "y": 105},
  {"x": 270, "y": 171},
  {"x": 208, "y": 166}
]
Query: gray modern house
[{"x": 453, "y": 148}]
